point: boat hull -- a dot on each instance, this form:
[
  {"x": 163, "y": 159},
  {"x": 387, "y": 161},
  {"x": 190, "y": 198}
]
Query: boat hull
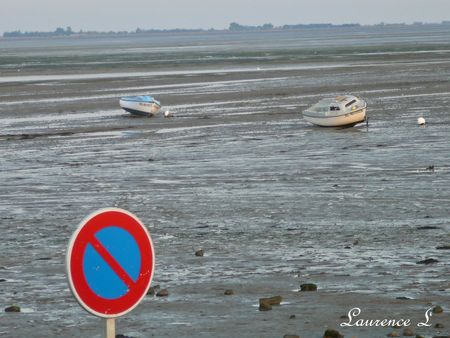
[
  {"x": 344, "y": 120},
  {"x": 140, "y": 108}
]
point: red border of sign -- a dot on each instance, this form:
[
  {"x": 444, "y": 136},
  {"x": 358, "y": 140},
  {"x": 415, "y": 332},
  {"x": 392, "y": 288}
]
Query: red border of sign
[{"x": 93, "y": 223}]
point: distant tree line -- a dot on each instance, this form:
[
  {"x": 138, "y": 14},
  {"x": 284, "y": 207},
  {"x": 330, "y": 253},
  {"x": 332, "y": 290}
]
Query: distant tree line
[
  {"x": 57, "y": 32},
  {"x": 141, "y": 31},
  {"x": 234, "y": 26},
  {"x": 68, "y": 32},
  {"x": 268, "y": 26}
]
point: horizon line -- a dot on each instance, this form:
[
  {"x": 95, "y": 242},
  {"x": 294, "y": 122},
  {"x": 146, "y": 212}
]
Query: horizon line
[{"x": 266, "y": 26}]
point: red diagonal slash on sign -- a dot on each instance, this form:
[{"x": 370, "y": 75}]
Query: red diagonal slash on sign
[{"x": 111, "y": 261}]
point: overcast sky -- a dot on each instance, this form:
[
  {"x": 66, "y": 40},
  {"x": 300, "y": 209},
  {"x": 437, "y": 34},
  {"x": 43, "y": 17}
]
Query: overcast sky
[{"x": 29, "y": 15}]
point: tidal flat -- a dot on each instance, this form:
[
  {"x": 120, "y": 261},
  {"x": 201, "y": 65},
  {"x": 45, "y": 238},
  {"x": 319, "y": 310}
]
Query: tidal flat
[{"x": 273, "y": 201}]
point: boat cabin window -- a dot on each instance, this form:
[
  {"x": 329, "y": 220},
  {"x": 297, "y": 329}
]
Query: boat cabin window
[
  {"x": 350, "y": 103},
  {"x": 334, "y": 108}
]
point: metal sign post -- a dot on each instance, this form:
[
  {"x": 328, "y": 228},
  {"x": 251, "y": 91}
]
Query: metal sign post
[{"x": 110, "y": 328}]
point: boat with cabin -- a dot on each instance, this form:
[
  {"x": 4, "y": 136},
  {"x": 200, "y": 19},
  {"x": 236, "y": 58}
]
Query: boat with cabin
[
  {"x": 339, "y": 111},
  {"x": 143, "y": 105}
]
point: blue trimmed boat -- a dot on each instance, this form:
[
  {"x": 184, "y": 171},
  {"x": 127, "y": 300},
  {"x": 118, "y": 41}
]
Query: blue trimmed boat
[{"x": 142, "y": 105}]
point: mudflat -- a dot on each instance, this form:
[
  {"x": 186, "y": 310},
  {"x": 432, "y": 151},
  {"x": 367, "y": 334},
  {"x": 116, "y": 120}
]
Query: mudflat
[{"x": 273, "y": 201}]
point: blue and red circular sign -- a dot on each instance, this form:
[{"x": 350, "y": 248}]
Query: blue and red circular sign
[{"x": 110, "y": 262}]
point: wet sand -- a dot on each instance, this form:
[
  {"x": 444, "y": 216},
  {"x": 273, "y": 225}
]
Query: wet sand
[{"x": 273, "y": 201}]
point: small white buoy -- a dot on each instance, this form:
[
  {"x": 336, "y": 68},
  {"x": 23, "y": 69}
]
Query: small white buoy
[
  {"x": 167, "y": 113},
  {"x": 421, "y": 121}
]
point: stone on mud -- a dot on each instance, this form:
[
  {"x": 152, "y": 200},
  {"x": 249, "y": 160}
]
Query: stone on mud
[
  {"x": 308, "y": 287},
  {"x": 275, "y": 300},
  {"x": 153, "y": 290},
  {"x": 162, "y": 293},
  {"x": 438, "y": 309},
  {"x": 12, "y": 308},
  {"x": 330, "y": 333},
  {"x": 428, "y": 261},
  {"x": 408, "y": 332},
  {"x": 264, "y": 306}
]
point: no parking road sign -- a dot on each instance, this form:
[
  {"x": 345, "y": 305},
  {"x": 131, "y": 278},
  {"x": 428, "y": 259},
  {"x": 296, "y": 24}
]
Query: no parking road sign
[{"x": 110, "y": 262}]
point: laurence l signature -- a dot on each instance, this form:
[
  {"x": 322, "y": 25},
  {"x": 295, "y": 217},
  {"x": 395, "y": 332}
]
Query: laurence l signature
[{"x": 354, "y": 320}]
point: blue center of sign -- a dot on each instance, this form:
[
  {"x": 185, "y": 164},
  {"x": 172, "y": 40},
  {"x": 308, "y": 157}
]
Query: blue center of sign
[{"x": 102, "y": 279}]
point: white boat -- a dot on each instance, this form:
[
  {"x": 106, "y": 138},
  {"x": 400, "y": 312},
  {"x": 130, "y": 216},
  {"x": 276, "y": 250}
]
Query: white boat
[
  {"x": 143, "y": 105},
  {"x": 344, "y": 110}
]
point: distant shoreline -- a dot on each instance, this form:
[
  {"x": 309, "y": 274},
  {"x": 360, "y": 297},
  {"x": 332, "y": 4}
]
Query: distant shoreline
[{"x": 233, "y": 27}]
